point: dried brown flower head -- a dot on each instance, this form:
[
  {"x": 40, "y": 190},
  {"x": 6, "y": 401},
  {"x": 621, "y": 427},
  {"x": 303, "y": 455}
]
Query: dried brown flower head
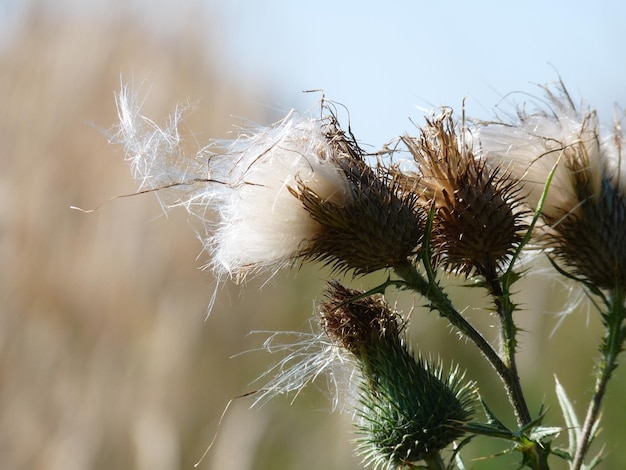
[
  {"x": 478, "y": 218},
  {"x": 377, "y": 226},
  {"x": 355, "y": 324},
  {"x": 592, "y": 241},
  {"x": 584, "y": 212}
]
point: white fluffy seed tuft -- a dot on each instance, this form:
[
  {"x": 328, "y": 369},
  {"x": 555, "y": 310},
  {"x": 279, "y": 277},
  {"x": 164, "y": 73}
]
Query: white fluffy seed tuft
[
  {"x": 532, "y": 145},
  {"x": 241, "y": 190}
]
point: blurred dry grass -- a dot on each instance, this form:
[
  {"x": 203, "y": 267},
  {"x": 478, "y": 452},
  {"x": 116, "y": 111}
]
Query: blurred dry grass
[{"x": 105, "y": 358}]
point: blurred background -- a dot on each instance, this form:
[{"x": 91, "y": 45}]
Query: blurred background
[{"x": 106, "y": 359}]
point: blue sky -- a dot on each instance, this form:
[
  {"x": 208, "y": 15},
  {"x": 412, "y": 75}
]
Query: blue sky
[{"x": 388, "y": 61}]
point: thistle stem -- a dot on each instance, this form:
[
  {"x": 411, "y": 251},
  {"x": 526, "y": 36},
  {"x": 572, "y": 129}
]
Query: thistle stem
[
  {"x": 499, "y": 290},
  {"x": 611, "y": 347},
  {"x": 508, "y": 344},
  {"x": 440, "y": 302}
]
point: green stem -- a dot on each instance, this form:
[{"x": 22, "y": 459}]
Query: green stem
[
  {"x": 536, "y": 454},
  {"x": 611, "y": 347},
  {"x": 508, "y": 343},
  {"x": 440, "y": 301}
]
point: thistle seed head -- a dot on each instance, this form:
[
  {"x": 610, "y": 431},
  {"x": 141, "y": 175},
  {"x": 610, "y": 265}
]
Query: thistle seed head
[
  {"x": 376, "y": 226},
  {"x": 584, "y": 213},
  {"x": 591, "y": 242},
  {"x": 478, "y": 216},
  {"x": 354, "y": 323}
]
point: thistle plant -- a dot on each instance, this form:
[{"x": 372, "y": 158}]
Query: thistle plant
[{"x": 479, "y": 202}]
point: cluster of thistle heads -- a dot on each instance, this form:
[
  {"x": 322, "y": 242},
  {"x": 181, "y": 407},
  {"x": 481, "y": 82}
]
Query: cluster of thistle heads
[{"x": 464, "y": 194}]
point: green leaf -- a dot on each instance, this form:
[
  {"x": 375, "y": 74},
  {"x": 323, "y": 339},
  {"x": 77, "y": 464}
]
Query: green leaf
[
  {"x": 528, "y": 235},
  {"x": 571, "y": 419},
  {"x": 540, "y": 433},
  {"x": 456, "y": 455},
  {"x": 492, "y": 420},
  {"x": 594, "y": 462},
  {"x": 491, "y": 430}
]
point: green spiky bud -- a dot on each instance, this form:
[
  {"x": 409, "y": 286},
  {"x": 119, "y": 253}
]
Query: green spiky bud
[{"x": 409, "y": 409}]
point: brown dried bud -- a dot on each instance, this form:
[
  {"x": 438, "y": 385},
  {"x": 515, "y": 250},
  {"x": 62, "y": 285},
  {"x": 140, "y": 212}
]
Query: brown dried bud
[
  {"x": 591, "y": 241},
  {"x": 377, "y": 226},
  {"x": 585, "y": 207},
  {"x": 356, "y": 324},
  {"x": 478, "y": 220}
]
